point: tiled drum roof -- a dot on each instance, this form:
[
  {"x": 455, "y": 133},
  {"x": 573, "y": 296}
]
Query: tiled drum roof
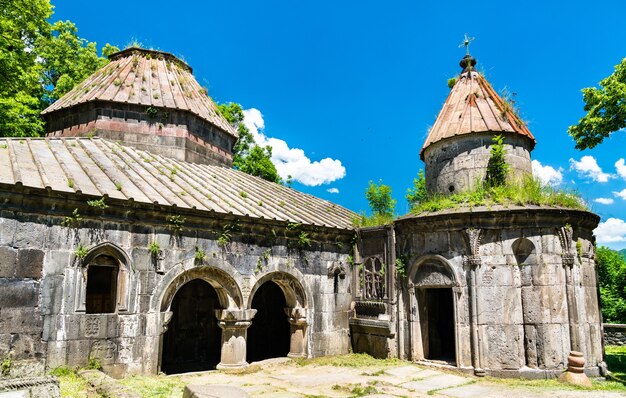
[
  {"x": 146, "y": 77},
  {"x": 473, "y": 106}
]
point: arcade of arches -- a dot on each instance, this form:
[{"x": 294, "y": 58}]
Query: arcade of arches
[{"x": 201, "y": 335}]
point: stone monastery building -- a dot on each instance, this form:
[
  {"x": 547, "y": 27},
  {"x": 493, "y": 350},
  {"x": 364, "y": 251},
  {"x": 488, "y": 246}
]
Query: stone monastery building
[{"x": 126, "y": 236}]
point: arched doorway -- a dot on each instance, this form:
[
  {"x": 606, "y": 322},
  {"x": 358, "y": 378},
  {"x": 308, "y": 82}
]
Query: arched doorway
[
  {"x": 193, "y": 339},
  {"x": 269, "y": 334},
  {"x": 434, "y": 325}
]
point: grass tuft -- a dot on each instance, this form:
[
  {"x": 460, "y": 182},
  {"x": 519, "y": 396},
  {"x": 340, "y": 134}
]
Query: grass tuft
[{"x": 527, "y": 191}]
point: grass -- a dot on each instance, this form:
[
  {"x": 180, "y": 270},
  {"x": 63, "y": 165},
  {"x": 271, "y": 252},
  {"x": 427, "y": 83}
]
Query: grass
[
  {"x": 72, "y": 386},
  {"x": 350, "y": 361},
  {"x": 155, "y": 386},
  {"x": 616, "y": 361},
  {"x": 527, "y": 191}
]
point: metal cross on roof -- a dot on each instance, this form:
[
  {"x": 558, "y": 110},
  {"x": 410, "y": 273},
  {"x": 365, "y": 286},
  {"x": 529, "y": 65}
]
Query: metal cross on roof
[{"x": 466, "y": 43}]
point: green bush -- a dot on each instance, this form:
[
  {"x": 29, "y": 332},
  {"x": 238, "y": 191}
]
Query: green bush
[{"x": 612, "y": 281}]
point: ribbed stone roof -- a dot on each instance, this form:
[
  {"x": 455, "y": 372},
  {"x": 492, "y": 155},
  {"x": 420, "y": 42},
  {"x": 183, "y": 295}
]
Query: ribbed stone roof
[
  {"x": 473, "y": 106},
  {"x": 146, "y": 77},
  {"x": 100, "y": 167}
]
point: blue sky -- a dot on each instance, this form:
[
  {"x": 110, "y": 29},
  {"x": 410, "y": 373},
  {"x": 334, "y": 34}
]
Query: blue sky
[{"x": 346, "y": 92}]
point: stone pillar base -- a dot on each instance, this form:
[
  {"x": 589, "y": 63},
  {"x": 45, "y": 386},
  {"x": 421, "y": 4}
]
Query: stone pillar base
[
  {"x": 234, "y": 325},
  {"x": 575, "y": 373},
  {"x": 479, "y": 372},
  {"x": 298, "y": 339}
]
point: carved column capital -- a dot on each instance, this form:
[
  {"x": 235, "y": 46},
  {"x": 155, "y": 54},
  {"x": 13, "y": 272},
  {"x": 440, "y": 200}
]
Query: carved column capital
[
  {"x": 568, "y": 260},
  {"x": 166, "y": 317},
  {"x": 297, "y": 316},
  {"x": 473, "y": 261},
  {"x": 234, "y": 318}
]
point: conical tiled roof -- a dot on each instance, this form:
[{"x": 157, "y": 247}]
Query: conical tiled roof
[
  {"x": 146, "y": 77},
  {"x": 473, "y": 106}
]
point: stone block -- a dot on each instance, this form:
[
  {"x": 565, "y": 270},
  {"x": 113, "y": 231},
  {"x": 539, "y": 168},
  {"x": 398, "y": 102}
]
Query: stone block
[
  {"x": 56, "y": 261},
  {"x": 30, "y": 234},
  {"x": 8, "y": 258},
  {"x": 18, "y": 293},
  {"x": 52, "y": 294},
  {"x": 8, "y": 225},
  {"x": 142, "y": 259},
  {"x": 499, "y": 305},
  {"x": 21, "y": 320},
  {"x": 505, "y": 347},
  {"x": 78, "y": 352},
  {"x": 495, "y": 275},
  {"x": 29, "y": 263},
  {"x": 56, "y": 355}
]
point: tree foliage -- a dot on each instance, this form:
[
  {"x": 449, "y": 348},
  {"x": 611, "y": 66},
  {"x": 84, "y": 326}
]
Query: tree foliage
[
  {"x": 497, "y": 168},
  {"x": 39, "y": 62},
  {"x": 606, "y": 110},
  {"x": 612, "y": 281},
  {"x": 380, "y": 200},
  {"x": 418, "y": 193},
  {"x": 248, "y": 156}
]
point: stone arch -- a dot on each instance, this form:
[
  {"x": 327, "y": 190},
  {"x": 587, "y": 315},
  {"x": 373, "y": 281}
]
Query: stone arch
[
  {"x": 121, "y": 275},
  {"x": 227, "y": 289},
  {"x": 295, "y": 309},
  {"x": 433, "y": 313},
  {"x": 433, "y": 271},
  {"x": 290, "y": 284}
]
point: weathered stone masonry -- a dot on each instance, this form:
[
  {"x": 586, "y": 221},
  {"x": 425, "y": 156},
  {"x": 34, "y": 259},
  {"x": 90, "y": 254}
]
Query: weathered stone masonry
[{"x": 44, "y": 320}]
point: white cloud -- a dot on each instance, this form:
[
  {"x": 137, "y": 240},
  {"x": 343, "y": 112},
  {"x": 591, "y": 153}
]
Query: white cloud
[
  {"x": 548, "y": 175},
  {"x": 611, "y": 230},
  {"x": 621, "y": 194},
  {"x": 621, "y": 168},
  {"x": 604, "y": 201},
  {"x": 588, "y": 167},
  {"x": 293, "y": 161},
  {"x": 332, "y": 190}
]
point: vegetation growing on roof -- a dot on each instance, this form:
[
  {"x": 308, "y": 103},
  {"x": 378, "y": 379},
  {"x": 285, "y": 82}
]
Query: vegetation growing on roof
[
  {"x": 97, "y": 203},
  {"x": 526, "y": 191},
  {"x": 381, "y": 204},
  {"x": 72, "y": 220},
  {"x": 176, "y": 223},
  {"x": 497, "y": 168}
]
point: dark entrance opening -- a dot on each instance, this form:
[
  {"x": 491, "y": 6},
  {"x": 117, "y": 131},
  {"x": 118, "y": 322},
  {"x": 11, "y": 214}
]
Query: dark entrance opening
[
  {"x": 269, "y": 334},
  {"x": 193, "y": 339},
  {"x": 437, "y": 324},
  {"x": 100, "y": 294}
]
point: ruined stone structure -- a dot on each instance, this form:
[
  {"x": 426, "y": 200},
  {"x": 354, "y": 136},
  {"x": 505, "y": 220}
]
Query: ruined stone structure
[{"x": 125, "y": 237}]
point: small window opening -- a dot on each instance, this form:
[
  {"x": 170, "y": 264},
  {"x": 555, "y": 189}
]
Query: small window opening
[
  {"x": 101, "y": 285},
  {"x": 336, "y": 283},
  {"x": 451, "y": 188}
]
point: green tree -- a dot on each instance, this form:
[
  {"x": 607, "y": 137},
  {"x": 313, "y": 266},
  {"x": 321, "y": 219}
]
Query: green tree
[
  {"x": 258, "y": 163},
  {"x": 380, "y": 200},
  {"x": 606, "y": 110},
  {"x": 38, "y": 63},
  {"x": 67, "y": 59},
  {"x": 22, "y": 22},
  {"x": 247, "y": 155},
  {"x": 418, "y": 193},
  {"x": 497, "y": 168},
  {"x": 612, "y": 281}
]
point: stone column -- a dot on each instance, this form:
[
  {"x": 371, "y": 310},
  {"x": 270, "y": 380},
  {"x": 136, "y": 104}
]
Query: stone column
[
  {"x": 298, "y": 341},
  {"x": 474, "y": 262},
  {"x": 234, "y": 325},
  {"x": 572, "y": 307}
]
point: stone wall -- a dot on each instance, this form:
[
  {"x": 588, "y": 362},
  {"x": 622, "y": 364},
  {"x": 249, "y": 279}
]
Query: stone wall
[
  {"x": 524, "y": 295},
  {"x": 614, "y": 334},
  {"x": 456, "y": 165},
  {"x": 44, "y": 264},
  {"x": 173, "y": 133}
]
